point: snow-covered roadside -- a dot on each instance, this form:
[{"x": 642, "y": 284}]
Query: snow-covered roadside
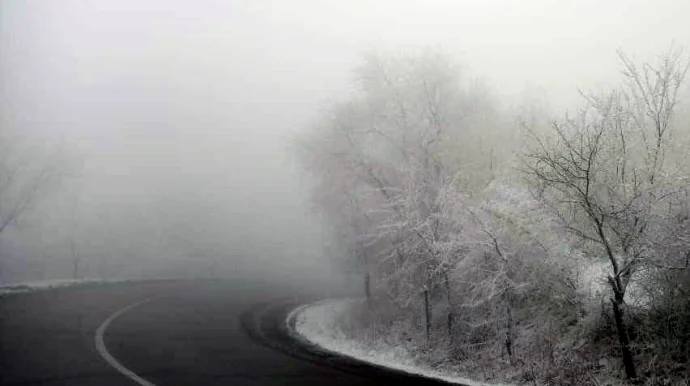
[
  {"x": 42, "y": 285},
  {"x": 317, "y": 324}
]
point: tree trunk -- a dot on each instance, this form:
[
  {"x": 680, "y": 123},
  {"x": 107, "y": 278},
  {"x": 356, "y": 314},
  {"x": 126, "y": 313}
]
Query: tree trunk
[
  {"x": 75, "y": 258},
  {"x": 623, "y": 338},
  {"x": 509, "y": 332},
  {"x": 451, "y": 317},
  {"x": 427, "y": 315},
  {"x": 367, "y": 288},
  {"x": 75, "y": 268}
]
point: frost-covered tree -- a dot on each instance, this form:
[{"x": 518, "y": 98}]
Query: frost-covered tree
[
  {"x": 605, "y": 173},
  {"x": 384, "y": 160},
  {"x": 462, "y": 258}
]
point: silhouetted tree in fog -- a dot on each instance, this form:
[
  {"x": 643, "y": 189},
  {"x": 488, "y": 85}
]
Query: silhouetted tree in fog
[{"x": 24, "y": 176}]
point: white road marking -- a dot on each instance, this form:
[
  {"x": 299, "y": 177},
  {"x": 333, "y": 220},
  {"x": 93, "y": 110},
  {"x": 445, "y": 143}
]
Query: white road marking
[{"x": 100, "y": 345}]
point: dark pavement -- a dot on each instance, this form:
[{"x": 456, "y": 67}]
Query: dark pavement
[{"x": 192, "y": 333}]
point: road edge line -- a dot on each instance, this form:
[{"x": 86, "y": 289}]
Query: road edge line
[{"x": 103, "y": 350}]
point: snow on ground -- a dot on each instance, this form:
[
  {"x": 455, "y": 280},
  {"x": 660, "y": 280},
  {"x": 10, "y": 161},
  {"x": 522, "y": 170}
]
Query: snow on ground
[
  {"x": 317, "y": 323},
  {"x": 595, "y": 286},
  {"x": 34, "y": 286}
]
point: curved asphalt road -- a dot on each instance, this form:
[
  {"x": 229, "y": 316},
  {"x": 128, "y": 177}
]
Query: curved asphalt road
[{"x": 191, "y": 333}]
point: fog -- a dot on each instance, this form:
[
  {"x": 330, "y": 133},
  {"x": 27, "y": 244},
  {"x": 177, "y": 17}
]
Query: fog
[{"x": 172, "y": 121}]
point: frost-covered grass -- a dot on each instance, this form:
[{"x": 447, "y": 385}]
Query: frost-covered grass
[
  {"x": 319, "y": 324},
  {"x": 42, "y": 285}
]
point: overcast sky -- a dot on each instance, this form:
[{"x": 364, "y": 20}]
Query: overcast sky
[{"x": 181, "y": 110}]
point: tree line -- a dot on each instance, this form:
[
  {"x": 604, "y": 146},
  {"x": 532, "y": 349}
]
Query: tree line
[{"x": 560, "y": 246}]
